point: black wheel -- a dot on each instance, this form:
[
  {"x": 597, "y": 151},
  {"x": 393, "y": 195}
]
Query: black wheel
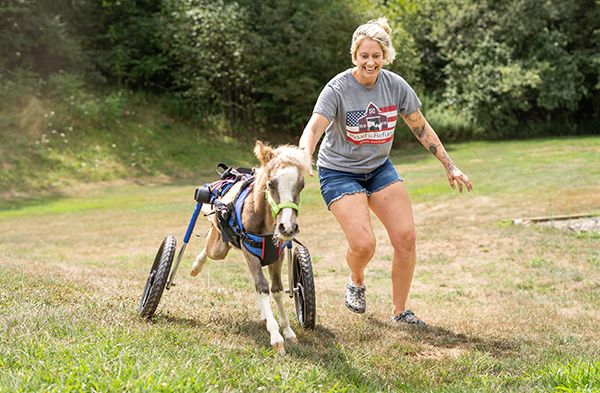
[
  {"x": 158, "y": 277},
  {"x": 304, "y": 288}
]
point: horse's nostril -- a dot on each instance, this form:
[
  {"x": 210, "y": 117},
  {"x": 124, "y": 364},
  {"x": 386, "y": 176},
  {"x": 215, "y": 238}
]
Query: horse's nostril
[
  {"x": 281, "y": 228},
  {"x": 294, "y": 228}
]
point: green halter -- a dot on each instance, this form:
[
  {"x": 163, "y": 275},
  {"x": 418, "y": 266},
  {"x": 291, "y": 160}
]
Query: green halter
[{"x": 276, "y": 208}]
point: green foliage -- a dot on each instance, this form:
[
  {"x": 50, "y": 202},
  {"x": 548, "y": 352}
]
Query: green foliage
[
  {"x": 516, "y": 68},
  {"x": 512, "y": 65},
  {"x": 124, "y": 41},
  {"x": 34, "y": 35},
  {"x": 299, "y": 46},
  {"x": 258, "y": 60},
  {"x": 408, "y": 60},
  {"x": 209, "y": 41}
]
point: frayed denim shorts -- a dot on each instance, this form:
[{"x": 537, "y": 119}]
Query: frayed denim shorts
[{"x": 336, "y": 184}]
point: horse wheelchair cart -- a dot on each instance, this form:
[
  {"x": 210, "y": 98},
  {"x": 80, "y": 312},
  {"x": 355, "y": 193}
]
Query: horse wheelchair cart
[{"x": 162, "y": 273}]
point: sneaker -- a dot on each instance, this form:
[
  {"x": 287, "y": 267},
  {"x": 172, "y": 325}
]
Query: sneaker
[
  {"x": 355, "y": 297},
  {"x": 408, "y": 317}
]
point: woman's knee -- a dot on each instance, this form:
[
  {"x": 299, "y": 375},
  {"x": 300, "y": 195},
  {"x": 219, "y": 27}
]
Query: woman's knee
[
  {"x": 404, "y": 241},
  {"x": 363, "y": 246}
]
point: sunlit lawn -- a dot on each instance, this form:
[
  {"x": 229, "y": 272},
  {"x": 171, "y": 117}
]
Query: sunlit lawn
[{"x": 510, "y": 308}]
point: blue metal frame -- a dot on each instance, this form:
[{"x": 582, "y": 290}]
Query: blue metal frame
[
  {"x": 186, "y": 240},
  {"x": 192, "y": 223}
]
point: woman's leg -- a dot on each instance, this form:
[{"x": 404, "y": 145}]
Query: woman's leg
[
  {"x": 392, "y": 206},
  {"x": 352, "y": 213}
]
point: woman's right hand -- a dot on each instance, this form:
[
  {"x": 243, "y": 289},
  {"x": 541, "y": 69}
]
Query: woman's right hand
[{"x": 310, "y": 136}]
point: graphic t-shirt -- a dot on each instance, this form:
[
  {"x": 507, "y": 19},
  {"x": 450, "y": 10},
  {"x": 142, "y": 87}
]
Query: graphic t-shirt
[{"x": 363, "y": 119}]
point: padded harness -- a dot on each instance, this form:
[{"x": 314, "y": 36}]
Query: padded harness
[{"x": 229, "y": 216}]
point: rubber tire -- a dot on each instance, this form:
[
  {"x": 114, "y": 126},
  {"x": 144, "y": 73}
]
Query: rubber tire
[
  {"x": 157, "y": 279},
  {"x": 304, "y": 299}
]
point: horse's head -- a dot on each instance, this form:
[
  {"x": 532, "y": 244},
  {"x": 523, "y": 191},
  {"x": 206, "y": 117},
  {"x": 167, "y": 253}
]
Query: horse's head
[{"x": 281, "y": 179}]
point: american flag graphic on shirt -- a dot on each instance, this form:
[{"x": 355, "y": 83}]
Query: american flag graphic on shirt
[{"x": 371, "y": 126}]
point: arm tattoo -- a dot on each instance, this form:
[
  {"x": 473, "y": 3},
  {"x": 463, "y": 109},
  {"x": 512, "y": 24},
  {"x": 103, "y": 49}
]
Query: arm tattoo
[
  {"x": 447, "y": 161},
  {"x": 418, "y": 131},
  {"x": 433, "y": 149}
]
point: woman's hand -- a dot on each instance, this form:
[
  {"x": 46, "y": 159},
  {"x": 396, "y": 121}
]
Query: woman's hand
[
  {"x": 309, "y": 159},
  {"x": 310, "y": 136},
  {"x": 456, "y": 175}
]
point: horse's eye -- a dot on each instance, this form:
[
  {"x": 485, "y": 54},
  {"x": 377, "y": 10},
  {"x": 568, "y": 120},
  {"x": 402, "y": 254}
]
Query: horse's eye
[{"x": 272, "y": 184}]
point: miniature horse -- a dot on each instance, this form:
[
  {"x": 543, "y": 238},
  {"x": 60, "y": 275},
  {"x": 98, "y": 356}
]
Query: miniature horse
[{"x": 280, "y": 175}]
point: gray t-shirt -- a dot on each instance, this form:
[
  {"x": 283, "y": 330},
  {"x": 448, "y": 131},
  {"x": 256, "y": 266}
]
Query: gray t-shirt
[{"x": 363, "y": 119}]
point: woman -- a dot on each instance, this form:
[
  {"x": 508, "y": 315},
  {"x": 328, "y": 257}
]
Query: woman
[{"x": 357, "y": 111}]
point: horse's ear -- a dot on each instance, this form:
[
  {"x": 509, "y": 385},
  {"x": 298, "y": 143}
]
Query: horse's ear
[{"x": 263, "y": 152}]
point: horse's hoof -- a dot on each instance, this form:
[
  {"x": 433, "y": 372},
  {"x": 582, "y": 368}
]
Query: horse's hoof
[
  {"x": 194, "y": 272},
  {"x": 279, "y": 348},
  {"x": 292, "y": 339},
  {"x": 290, "y": 335}
]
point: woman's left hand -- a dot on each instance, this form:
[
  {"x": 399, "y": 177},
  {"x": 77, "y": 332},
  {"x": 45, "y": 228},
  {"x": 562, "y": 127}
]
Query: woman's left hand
[{"x": 456, "y": 175}]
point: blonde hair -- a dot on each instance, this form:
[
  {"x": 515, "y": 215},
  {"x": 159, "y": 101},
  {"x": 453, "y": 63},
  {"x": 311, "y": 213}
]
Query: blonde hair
[{"x": 378, "y": 30}]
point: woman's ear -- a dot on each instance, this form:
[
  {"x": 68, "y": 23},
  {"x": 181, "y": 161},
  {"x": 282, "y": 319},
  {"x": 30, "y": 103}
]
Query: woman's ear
[{"x": 263, "y": 152}]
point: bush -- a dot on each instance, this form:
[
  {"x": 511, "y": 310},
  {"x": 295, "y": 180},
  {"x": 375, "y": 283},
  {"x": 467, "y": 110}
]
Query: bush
[
  {"x": 510, "y": 73},
  {"x": 34, "y": 36}
]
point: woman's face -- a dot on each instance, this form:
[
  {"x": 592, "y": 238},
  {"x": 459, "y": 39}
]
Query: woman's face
[{"x": 368, "y": 60}]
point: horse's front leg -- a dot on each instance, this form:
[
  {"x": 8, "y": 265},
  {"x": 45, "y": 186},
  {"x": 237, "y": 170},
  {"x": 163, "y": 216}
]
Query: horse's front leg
[
  {"x": 262, "y": 301},
  {"x": 278, "y": 295}
]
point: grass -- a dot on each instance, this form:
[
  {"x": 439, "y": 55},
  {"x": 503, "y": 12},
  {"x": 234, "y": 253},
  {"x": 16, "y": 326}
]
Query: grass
[
  {"x": 92, "y": 182},
  {"x": 54, "y": 140},
  {"x": 511, "y": 308}
]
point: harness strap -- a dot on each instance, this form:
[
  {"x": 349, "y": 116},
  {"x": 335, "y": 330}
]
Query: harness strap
[
  {"x": 230, "y": 215},
  {"x": 263, "y": 248}
]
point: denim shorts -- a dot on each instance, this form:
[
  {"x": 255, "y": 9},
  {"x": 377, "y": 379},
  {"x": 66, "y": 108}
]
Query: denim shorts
[{"x": 336, "y": 184}]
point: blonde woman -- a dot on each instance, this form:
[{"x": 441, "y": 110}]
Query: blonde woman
[{"x": 358, "y": 111}]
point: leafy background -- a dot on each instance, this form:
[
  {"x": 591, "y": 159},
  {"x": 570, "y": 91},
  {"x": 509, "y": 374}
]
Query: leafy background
[{"x": 486, "y": 69}]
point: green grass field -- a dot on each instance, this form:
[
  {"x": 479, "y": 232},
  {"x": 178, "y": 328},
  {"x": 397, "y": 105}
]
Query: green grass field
[{"x": 510, "y": 308}]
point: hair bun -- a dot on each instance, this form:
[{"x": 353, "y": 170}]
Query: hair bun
[{"x": 383, "y": 23}]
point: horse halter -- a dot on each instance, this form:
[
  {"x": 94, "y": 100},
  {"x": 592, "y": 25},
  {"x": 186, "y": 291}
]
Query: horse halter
[{"x": 277, "y": 207}]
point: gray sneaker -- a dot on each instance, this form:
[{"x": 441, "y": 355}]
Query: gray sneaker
[
  {"x": 355, "y": 297},
  {"x": 408, "y": 317}
]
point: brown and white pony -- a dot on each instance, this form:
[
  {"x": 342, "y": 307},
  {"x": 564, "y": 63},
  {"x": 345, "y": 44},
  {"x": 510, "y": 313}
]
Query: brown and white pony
[{"x": 281, "y": 173}]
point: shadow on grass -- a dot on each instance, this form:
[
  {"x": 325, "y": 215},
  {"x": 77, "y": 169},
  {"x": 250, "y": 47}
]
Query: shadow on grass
[
  {"x": 443, "y": 338},
  {"x": 320, "y": 347}
]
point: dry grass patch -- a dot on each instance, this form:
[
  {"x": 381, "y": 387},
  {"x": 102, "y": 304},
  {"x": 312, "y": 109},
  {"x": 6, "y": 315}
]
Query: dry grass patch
[{"x": 505, "y": 303}]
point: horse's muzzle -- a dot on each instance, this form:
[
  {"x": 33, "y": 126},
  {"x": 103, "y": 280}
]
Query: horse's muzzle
[{"x": 287, "y": 232}]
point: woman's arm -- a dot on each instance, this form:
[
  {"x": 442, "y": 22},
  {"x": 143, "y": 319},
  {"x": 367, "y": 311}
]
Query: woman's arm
[
  {"x": 312, "y": 133},
  {"x": 428, "y": 138}
]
